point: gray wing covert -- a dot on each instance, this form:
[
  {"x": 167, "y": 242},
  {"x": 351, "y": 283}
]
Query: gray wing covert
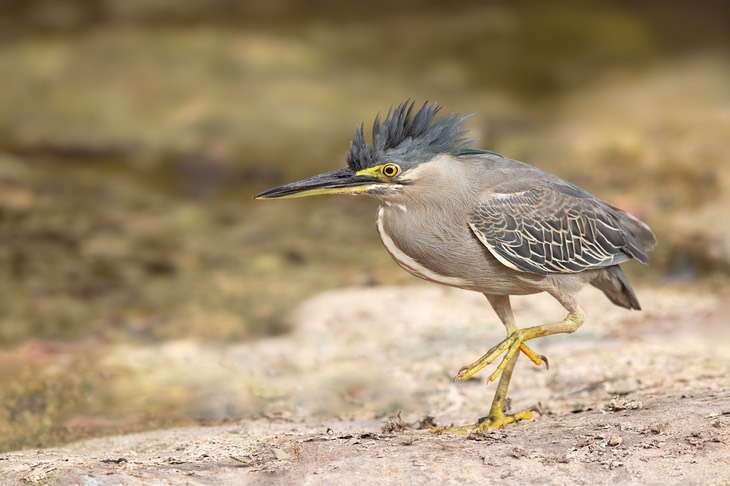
[{"x": 544, "y": 231}]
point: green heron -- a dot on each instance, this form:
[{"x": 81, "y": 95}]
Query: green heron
[{"x": 476, "y": 220}]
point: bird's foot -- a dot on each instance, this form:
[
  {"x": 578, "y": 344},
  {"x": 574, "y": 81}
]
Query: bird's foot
[
  {"x": 513, "y": 343},
  {"x": 492, "y": 421}
]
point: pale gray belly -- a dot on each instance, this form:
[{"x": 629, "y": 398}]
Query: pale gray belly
[{"x": 452, "y": 255}]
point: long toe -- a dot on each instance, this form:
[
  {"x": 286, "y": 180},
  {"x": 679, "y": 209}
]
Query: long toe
[
  {"x": 493, "y": 421},
  {"x": 509, "y": 346}
]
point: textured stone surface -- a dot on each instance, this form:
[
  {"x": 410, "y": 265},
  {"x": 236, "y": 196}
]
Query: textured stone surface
[{"x": 630, "y": 397}]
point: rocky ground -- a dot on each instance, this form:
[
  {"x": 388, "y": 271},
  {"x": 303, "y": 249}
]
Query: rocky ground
[
  {"x": 130, "y": 247},
  {"x": 635, "y": 398},
  {"x": 142, "y": 289}
]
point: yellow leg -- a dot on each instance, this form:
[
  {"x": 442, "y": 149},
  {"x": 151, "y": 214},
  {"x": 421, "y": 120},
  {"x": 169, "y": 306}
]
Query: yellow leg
[
  {"x": 515, "y": 341},
  {"x": 497, "y": 414},
  {"x": 503, "y": 309}
]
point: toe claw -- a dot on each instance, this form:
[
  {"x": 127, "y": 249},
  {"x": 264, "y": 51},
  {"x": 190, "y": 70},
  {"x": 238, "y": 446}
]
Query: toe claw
[
  {"x": 461, "y": 373},
  {"x": 547, "y": 363}
]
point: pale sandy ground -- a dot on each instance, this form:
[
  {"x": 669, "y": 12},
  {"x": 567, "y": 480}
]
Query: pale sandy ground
[{"x": 631, "y": 398}]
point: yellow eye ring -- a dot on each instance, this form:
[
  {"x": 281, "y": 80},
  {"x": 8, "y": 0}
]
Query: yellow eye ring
[{"x": 390, "y": 170}]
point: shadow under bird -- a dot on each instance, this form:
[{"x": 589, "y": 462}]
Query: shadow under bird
[{"x": 476, "y": 220}]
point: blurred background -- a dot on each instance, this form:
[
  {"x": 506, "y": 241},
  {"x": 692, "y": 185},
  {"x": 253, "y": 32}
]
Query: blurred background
[{"x": 133, "y": 134}]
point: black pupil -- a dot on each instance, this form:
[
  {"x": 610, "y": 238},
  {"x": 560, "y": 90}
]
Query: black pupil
[{"x": 390, "y": 170}]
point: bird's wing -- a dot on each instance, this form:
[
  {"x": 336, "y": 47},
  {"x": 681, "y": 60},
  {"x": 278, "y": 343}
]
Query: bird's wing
[{"x": 549, "y": 229}]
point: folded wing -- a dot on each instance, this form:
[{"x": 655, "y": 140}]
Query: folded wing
[{"x": 557, "y": 228}]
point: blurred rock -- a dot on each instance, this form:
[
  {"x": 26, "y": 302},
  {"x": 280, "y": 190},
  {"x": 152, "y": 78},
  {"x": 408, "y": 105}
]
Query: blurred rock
[{"x": 703, "y": 236}]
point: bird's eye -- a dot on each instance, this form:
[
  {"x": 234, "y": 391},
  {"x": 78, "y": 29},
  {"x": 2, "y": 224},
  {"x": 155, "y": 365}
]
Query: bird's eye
[{"x": 390, "y": 170}]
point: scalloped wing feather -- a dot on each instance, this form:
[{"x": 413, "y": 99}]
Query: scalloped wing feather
[{"x": 545, "y": 231}]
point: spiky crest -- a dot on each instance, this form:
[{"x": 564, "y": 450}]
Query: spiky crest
[{"x": 408, "y": 136}]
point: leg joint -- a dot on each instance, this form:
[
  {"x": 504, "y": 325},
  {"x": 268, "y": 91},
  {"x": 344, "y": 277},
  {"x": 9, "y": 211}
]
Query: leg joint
[{"x": 575, "y": 319}]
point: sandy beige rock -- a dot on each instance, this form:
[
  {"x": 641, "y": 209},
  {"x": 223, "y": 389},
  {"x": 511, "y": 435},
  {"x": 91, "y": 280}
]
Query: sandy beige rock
[{"x": 656, "y": 380}]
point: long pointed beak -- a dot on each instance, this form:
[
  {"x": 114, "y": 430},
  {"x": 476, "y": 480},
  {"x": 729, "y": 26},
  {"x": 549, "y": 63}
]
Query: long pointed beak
[{"x": 341, "y": 181}]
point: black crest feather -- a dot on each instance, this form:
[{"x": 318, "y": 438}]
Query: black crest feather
[{"x": 408, "y": 136}]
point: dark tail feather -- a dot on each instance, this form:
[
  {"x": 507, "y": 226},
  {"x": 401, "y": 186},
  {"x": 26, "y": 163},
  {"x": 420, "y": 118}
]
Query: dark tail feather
[
  {"x": 613, "y": 282},
  {"x": 639, "y": 237}
]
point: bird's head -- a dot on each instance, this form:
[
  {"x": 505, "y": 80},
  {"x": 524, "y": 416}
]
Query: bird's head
[{"x": 394, "y": 162}]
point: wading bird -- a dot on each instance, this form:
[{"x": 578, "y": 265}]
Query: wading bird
[{"x": 476, "y": 220}]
